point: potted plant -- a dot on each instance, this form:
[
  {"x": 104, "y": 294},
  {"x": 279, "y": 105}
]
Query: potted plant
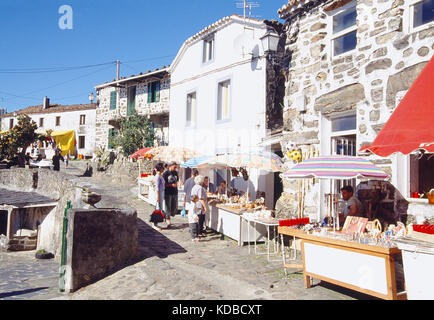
[{"x": 43, "y": 254}]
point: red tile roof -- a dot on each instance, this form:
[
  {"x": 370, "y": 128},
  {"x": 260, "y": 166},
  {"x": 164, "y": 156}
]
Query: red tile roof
[{"x": 54, "y": 108}]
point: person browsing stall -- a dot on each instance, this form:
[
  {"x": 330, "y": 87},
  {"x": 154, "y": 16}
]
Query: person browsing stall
[
  {"x": 200, "y": 191},
  {"x": 159, "y": 190},
  {"x": 188, "y": 185},
  {"x": 193, "y": 217},
  {"x": 171, "y": 191}
]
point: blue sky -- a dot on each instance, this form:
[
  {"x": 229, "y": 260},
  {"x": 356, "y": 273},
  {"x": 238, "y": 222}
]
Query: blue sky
[{"x": 142, "y": 34}]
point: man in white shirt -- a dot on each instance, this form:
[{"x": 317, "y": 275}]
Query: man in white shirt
[{"x": 188, "y": 185}]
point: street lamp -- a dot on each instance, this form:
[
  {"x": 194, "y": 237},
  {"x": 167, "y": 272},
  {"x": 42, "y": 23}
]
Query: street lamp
[
  {"x": 270, "y": 40},
  {"x": 91, "y": 97}
]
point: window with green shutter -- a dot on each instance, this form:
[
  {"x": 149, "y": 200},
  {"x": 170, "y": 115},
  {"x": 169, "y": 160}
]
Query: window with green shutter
[
  {"x": 154, "y": 91},
  {"x": 113, "y": 100}
]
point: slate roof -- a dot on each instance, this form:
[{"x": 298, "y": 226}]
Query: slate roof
[{"x": 22, "y": 199}]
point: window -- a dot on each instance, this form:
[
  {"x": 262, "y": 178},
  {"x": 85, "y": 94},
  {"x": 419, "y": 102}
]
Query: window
[
  {"x": 41, "y": 122},
  {"x": 344, "y": 30},
  {"x": 11, "y": 123},
  {"x": 191, "y": 109},
  {"x": 343, "y": 142},
  {"x": 82, "y": 119},
  {"x": 113, "y": 100},
  {"x": 421, "y": 173},
  {"x": 154, "y": 91},
  {"x": 344, "y": 123},
  {"x": 131, "y": 100},
  {"x": 58, "y": 121},
  {"x": 208, "y": 49},
  {"x": 223, "y": 100},
  {"x": 81, "y": 142},
  {"x": 422, "y": 12}
]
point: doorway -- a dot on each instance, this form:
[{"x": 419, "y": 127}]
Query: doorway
[
  {"x": 278, "y": 184},
  {"x": 3, "y": 222}
]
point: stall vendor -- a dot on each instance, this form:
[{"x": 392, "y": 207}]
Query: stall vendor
[
  {"x": 353, "y": 206},
  {"x": 209, "y": 186},
  {"x": 222, "y": 188}
]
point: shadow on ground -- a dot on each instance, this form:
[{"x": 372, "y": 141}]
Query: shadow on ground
[
  {"x": 153, "y": 243},
  {"x": 20, "y": 292}
]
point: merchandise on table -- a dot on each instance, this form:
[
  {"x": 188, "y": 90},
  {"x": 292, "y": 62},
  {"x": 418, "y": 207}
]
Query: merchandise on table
[{"x": 363, "y": 232}]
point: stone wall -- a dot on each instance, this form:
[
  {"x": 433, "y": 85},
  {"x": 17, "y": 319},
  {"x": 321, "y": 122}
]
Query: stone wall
[
  {"x": 121, "y": 172},
  {"x": 98, "y": 243},
  {"x": 158, "y": 110},
  {"x": 369, "y": 81},
  {"x": 53, "y": 184}
]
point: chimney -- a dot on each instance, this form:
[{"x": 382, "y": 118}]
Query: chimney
[{"x": 46, "y": 103}]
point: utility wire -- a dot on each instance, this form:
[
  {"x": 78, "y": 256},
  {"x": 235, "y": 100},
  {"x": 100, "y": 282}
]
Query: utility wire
[
  {"x": 52, "y": 69},
  {"x": 24, "y": 96},
  {"x": 69, "y": 68}
]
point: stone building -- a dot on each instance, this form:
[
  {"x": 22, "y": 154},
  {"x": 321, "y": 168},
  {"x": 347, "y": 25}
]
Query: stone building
[
  {"x": 144, "y": 94},
  {"x": 351, "y": 62}
]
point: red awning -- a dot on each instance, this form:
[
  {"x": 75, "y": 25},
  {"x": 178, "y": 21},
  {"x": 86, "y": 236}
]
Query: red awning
[{"x": 411, "y": 125}]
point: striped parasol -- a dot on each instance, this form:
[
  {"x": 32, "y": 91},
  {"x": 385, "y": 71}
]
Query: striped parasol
[
  {"x": 336, "y": 167},
  {"x": 196, "y": 161},
  {"x": 166, "y": 154},
  {"x": 264, "y": 161},
  {"x": 142, "y": 153}
]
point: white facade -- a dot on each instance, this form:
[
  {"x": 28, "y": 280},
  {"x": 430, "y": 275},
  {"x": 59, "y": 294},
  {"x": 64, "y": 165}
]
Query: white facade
[
  {"x": 80, "y": 118},
  {"x": 218, "y": 91}
]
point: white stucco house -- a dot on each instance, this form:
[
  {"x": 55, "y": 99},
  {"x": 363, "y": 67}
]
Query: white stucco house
[
  {"x": 77, "y": 117},
  {"x": 218, "y": 96}
]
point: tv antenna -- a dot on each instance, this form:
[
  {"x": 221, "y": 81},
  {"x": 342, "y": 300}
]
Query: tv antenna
[{"x": 247, "y": 6}]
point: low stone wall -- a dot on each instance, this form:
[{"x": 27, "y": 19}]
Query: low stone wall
[
  {"x": 99, "y": 241},
  {"x": 53, "y": 184},
  {"x": 122, "y": 172}
]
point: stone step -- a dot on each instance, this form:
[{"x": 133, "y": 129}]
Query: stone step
[{"x": 21, "y": 247}]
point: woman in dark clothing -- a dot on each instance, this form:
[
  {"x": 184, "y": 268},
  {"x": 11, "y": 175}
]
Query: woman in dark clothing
[{"x": 56, "y": 161}]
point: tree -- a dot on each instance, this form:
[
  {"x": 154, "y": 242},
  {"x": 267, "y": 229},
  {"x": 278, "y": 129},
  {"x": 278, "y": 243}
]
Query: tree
[
  {"x": 135, "y": 132},
  {"x": 21, "y": 136}
]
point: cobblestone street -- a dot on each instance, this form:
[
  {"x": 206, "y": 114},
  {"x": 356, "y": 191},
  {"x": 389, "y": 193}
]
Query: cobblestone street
[{"x": 169, "y": 266}]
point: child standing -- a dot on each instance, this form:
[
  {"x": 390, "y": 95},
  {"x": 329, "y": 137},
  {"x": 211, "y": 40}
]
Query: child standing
[{"x": 193, "y": 218}]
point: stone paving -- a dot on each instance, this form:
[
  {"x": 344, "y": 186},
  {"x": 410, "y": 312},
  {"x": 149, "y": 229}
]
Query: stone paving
[
  {"x": 22, "y": 276},
  {"x": 169, "y": 266}
]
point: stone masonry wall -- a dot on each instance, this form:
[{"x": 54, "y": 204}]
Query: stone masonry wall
[
  {"x": 369, "y": 80},
  {"x": 53, "y": 184},
  {"x": 98, "y": 242},
  {"x": 104, "y": 114}
]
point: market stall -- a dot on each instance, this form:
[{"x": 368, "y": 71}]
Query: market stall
[
  {"x": 65, "y": 141},
  {"x": 262, "y": 219},
  {"x": 146, "y": 190},
  {"x": 408, "y": 131},
  {"x": 349, "y": 257},
  {"x": 226, "y": 211},
  {"x": 227, "y": 219},
  {"x": 349, "y": 261}
]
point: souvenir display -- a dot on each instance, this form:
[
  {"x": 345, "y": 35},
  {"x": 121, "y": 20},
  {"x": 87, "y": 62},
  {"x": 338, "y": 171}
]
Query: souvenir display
[{"x": 260, "y": 215}]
